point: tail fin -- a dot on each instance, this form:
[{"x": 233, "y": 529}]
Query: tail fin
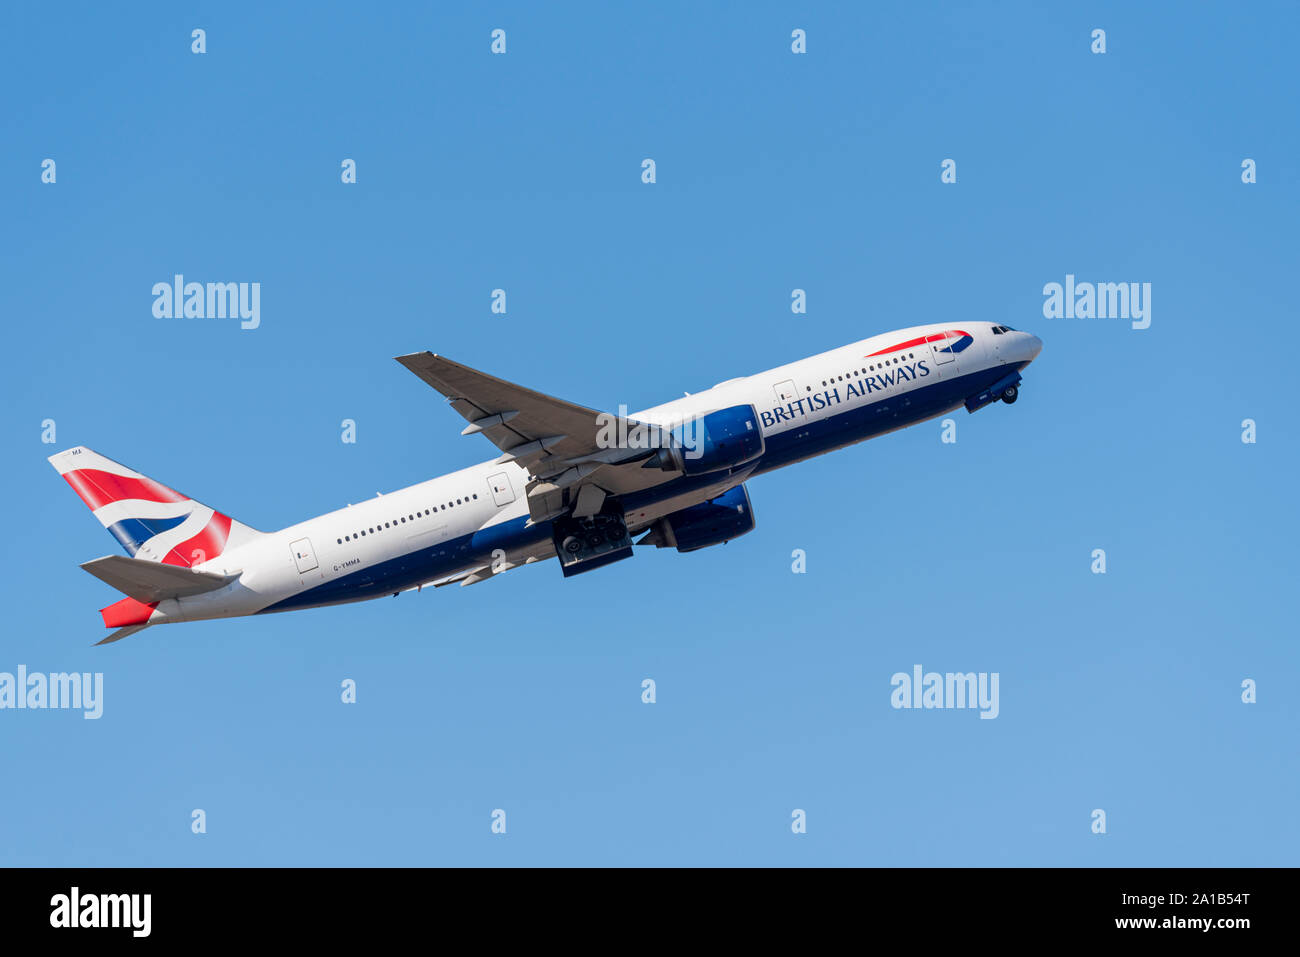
[{"x": 151, "y": 521}]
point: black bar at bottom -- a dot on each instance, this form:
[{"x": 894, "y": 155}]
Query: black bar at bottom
[{"x": 657, "y": 906}]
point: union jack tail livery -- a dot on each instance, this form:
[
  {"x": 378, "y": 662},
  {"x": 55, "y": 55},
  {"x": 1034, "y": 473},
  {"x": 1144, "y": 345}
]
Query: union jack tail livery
[
  {"x": 168, "y": 536},
  {"x": 151, "y": 521}
]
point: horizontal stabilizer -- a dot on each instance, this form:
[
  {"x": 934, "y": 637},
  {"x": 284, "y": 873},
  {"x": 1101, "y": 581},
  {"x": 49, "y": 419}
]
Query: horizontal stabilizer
[
  {"x": 122, "y": 633},
  {"x": 147, "y": 581}
]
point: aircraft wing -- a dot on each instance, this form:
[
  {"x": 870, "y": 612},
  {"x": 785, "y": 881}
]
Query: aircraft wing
[{"x": 559, "y": 443}]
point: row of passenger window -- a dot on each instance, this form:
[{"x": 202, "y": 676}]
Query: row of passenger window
[
  {"x": 863, "y": 371},
  {"x": 402, "y": 520}
]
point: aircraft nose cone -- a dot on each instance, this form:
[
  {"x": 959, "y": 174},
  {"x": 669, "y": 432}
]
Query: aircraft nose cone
[{"x": 1034, "y": 346}]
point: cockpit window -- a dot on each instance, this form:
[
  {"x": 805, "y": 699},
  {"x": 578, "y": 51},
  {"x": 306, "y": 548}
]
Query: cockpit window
[{"x": 997, "y": 330}]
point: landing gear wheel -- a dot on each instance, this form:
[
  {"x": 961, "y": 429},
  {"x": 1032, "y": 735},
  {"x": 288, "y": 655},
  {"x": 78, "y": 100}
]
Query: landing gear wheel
[
  {"x": 1010, "y": 396},
  {"x": 573, "y": 544},
  {"x": 595, "y": 539}
]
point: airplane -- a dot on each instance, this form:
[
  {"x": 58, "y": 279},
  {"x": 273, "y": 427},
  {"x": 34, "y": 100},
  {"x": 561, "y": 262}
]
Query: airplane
[{"x": 571, "y": 483}]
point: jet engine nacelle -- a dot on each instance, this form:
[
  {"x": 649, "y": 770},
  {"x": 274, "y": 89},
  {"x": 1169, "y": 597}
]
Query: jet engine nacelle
[
  {"x": 720, "y": 440},
  {"x": 710, "y": 523}
]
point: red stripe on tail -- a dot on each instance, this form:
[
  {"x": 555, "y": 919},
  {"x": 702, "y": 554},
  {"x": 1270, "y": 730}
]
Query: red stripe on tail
[
  {"x": 207, "y": 544},
  {"x": 97, "y": 488}
]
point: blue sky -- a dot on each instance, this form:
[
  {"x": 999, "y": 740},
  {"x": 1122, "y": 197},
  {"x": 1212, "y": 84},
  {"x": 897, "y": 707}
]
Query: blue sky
[{"x": 775, "y": 171}]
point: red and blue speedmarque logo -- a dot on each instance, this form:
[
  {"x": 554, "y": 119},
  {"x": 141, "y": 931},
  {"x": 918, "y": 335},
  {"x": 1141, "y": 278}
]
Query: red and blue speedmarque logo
[{"x": 956, "y": 341}]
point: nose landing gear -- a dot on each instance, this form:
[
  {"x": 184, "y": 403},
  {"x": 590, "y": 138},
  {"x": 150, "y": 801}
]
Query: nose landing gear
[{"x": 1007, "y": 389}]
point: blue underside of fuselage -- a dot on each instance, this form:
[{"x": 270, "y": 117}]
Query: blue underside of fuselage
[{"x": 801, "y": 442}]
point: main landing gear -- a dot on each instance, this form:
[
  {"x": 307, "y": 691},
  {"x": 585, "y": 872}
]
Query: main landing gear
[
  {"x": 592, "y": 541},
  {"x": 1010, "y": 394}
]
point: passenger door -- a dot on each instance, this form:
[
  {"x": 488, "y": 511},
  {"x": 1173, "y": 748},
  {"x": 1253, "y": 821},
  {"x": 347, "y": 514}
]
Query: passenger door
[
  {"x": 304, "y": 556},
  {"x": 942, "y": 348},
  {"x": 502, "y": 492}
]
